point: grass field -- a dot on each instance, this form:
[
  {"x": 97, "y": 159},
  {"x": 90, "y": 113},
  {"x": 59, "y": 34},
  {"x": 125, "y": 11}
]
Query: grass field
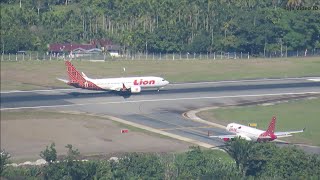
[
  {"x": 293, "y": 115},
  {"x": 27, "y": 75}
]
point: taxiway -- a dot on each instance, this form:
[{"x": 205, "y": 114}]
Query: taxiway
[{"x": 163, "y": 110}]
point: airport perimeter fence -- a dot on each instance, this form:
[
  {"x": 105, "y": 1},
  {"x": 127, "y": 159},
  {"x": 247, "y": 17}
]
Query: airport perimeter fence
[{"x": 28, "y": 56}]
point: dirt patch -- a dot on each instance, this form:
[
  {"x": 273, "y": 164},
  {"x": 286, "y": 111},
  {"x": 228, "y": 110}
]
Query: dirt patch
[{"x": 24, "y": 136}]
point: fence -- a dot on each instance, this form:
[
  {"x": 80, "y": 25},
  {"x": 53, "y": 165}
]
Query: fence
[{"x": 159, "y": 56}]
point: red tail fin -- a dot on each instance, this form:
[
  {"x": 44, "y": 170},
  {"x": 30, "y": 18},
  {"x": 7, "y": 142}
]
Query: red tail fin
[
  {"x": 272, "y": 126},
  {"x": 269, "y": 132},
  {"x": 74, "y": 75},
  {"x": 77, "y": 80}
]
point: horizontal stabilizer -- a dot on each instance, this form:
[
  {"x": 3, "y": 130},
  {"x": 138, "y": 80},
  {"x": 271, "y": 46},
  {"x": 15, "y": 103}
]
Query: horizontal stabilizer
[
  {"x": 280, "y": 141},
  {"x": 83, "y": 75},
  {"x": 288, "y": 133},
  {"x": 224, "y": 136},
  {"x": 63, "y": 80}
]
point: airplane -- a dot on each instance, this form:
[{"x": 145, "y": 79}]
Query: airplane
[
  {"x": 123, "y": 84},
  {"x": 253, "y": 134}
]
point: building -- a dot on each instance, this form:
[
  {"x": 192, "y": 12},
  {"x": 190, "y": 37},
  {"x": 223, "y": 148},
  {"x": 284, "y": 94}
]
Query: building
[
  {"x": 95, "y": 47},
  {"x": 69, "y": 47},
  {"x": 107, "y": 46}
]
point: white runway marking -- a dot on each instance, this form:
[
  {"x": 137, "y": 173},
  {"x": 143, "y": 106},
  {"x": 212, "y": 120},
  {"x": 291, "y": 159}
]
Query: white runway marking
[
  {"x": 248, "y": 80},
  {"x": 158, "y": 100},
  {"x": 315, "y": 79},
  {"x": 40, "y": 90}
]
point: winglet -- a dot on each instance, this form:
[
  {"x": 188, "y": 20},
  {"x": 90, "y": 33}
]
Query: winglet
[{"x": 124, "y": 88}]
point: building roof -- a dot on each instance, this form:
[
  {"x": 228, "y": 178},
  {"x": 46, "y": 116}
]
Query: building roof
[
  {"x": 94, "y": 50},
  {"x": 59, "y": 47}
]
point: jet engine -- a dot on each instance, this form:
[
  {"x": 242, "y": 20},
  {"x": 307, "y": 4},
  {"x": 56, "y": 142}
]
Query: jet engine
[
  {"x": 135, "y": 89},
  {"x": 226, "y": 139},
  {"x": 241, "y": 136}
]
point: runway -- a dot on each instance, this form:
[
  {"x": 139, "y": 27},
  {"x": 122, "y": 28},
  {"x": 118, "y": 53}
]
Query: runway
[
  {"x": 162, "y": 110},
  {"x": 19, "y": 99}
]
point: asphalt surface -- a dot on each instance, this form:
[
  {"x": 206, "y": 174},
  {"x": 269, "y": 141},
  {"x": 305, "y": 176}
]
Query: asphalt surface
[{"x": 162, "y": 110}]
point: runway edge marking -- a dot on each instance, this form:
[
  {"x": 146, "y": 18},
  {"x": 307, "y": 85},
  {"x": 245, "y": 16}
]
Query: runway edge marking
[
  {"x": 192, "y": 115},
  {"x": 174, "y": 136},
  {"x": 159, "y": 100}
]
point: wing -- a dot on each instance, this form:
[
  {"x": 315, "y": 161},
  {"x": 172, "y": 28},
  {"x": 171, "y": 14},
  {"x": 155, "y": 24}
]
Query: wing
[
  {"x": 287, "y": 133},
  {"x": 224, "y": 136},
  {"x": 116, "y": 88},
  {"x": 120, "y": 88}
]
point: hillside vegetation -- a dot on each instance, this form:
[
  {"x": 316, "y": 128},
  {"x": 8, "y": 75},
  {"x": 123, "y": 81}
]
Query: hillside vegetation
[{"x": 163, "y": 26}]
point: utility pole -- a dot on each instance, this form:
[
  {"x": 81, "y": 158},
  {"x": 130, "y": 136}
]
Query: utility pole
[
  {"x": 146, "y": 49},
  {"x": 281, "y": 46}
]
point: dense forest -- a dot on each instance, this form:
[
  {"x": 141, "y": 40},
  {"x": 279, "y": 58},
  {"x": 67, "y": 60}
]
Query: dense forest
[
  {"x": 246, "y": 160},
  {"x": 163, "y": 25}
]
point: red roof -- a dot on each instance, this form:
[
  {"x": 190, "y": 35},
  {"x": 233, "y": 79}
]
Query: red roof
[{"x": 57, "y": 47}]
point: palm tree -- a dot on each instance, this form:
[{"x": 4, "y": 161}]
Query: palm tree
[
  {"x": 242, "y": 151},
  {"x": 294, "y": 3}
]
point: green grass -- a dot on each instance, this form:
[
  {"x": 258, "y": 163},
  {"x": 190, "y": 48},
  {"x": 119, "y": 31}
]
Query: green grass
[
  {"x": 293, "y": 115},
  {"x": 36, "y": 114},
  {"x": 27, "y": 75}
]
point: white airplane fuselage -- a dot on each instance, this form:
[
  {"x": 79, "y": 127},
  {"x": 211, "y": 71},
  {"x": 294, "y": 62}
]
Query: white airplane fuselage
[
  {"x": 143, "y": 82},
  {"x": 245, "y": 132},
  {"x": 123, "y": 84}
]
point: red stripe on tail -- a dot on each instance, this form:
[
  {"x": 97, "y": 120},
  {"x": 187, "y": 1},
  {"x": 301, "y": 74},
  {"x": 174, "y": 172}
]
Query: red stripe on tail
[
  {"x": 272, "y": 126},
  {"x": 270, "y": 131},
  {"x": 77, "y": 80},
  {"x": 74, "y": 75}
]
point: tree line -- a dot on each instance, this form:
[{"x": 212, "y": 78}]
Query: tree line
[
  {"x": 162, "y": 26},
  {"x": 249, "y": 160}
]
